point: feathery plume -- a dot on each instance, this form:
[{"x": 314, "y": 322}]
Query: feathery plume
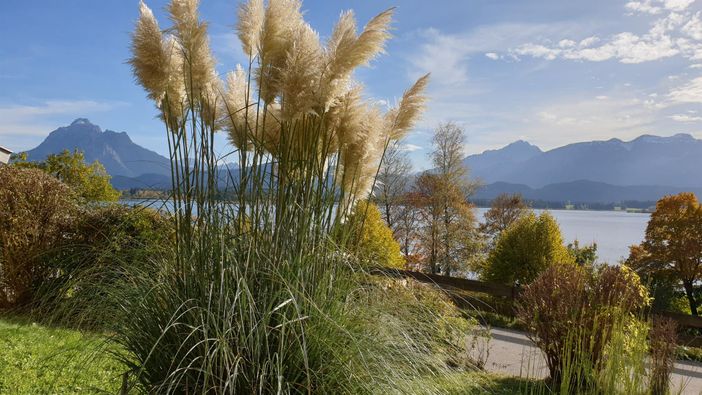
[
  {"x": 174, "y": 99},
  {"x": 300, "y": 74},
  {"x": 149, "y": 60},
  {"x": 371, "y": 42},
  {"x": 401, "y": 119},
  {"x": 251, "y": 17},
  {"x": 372, "y": 152},
  {"x": 192, "y": 36},
  {"x": 234, "y": 109},
  {"x": 344, "y": 35},
  {"x": 346, "y": 51},
  {"x": 281, "y": 20},
  {"x": 210, "y": 102},
  {"x": 268, "y": 132},
  {"x": 346, "y": 117}
]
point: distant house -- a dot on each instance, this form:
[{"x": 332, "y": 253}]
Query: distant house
[{"x": 4, "y": 155}]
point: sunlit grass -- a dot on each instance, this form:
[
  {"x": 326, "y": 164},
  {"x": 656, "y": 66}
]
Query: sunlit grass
[{"x": 39, "y": 360}]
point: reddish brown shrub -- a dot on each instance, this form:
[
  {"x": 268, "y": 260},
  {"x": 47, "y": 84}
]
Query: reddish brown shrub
[
  {"x": 663, "y": 344},
  {"x": 569, "y": 313},
  {"x": 34, "y": 208}
]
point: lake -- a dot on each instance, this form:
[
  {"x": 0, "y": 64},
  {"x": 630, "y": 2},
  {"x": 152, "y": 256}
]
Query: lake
[{"x": 613, "y": 231}]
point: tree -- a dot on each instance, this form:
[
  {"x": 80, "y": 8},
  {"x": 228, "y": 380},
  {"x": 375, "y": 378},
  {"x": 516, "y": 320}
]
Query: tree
[
  {"x": 448, "y": 237},
  {"x": 673, "y": 244},
  {"x": 392, "y": 184},
  {"x": 90, "y": 181},
  {"x": 407, "y": 225},
  {"x": 585, "y": 255},
  {"x": 372, "y": 239},
  {"x": 504, "y": 210},
  {"x": 527, "y": 248}
]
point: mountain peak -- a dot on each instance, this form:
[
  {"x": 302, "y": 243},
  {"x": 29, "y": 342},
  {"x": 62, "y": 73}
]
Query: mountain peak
[
  {"x": 81, "y": 121},
  {"x": 522, "y": 144},
  {"x": 116, "y": 151}
]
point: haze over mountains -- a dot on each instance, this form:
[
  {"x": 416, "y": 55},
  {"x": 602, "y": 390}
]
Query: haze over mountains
[{"x": 643, "y": 169}]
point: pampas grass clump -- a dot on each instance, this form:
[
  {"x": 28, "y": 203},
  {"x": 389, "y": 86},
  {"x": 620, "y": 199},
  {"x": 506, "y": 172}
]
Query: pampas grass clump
[{"x": 263, "y": 293}]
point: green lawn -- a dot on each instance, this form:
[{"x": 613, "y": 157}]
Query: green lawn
[
  {"x": 38, "y": 360},
  {"x": 35, "y": 359}
]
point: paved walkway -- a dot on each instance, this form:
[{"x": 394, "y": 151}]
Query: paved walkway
[{"x": 512, "y": 353}]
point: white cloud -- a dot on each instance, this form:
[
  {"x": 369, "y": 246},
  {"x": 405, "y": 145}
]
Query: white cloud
[
  {"x": 626, "y": 47},
  {"x": 691, "y": 92},
  {"x": 601, "y": 97},
  {"x": 655, "y": 7},
  {"x": 643, "y": 6},
  {"x": 693, "y": 27},
  {"x": 446, "y": 56},
  {"x": 410, "y": 147},
  {"x": 677, "y": 5},
  {"x": 573, "y": 119},
  {"x": 685, "y": 118},
  {"x": 676, "y": 32}
]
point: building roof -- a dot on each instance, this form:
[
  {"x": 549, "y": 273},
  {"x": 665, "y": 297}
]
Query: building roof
[{"x": 6, "y": 150}]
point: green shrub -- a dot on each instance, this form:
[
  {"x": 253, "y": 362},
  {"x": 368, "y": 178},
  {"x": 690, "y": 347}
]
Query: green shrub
[
  {"x": 102, "y": 248},
  {"x": 90, "y": 182},
  {"x": 372, "y": 237},
  {"x": 528, "y": 247},
  {"x": 35, "y": 210}
]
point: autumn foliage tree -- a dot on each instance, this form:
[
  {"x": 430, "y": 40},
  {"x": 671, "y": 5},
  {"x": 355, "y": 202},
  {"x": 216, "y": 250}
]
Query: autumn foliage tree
[
  {"x": 372, "y": 238},
  {"x": 673, "y": 244},
  {"x": 504, "y": 210},
  {"x": 527, "y": 248},
  {"x": 448, "y": 236}
]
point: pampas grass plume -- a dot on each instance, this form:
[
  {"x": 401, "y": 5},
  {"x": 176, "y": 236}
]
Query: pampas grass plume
[
  {"x": 149, "y": 60},
  {"x": 251, "y": 17},
  {"x": 403, "y": 118}
]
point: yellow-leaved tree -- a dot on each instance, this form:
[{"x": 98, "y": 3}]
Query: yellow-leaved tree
[
  {"x": 372, "y": 237},
  {"x": 525, "y": 249}
]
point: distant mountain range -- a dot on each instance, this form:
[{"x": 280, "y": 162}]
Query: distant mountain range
[
  {"x": 611, "y": 171},
  {"x": 583, "y": 191},
  {"x": 647, "y": 160}
]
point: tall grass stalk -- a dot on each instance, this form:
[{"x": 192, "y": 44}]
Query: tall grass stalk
[{"x": 263, "y": 295}]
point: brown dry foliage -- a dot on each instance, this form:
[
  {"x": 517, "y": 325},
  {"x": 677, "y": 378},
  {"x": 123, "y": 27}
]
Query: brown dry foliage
[
  {"x": 568, "y": 310},
  {"x": 663, "y": 345},
  {"x": 34, "y": 209}
]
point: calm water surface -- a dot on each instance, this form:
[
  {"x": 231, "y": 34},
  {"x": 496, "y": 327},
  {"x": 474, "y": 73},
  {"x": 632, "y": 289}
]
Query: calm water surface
[{"x": 613, "y": 231}]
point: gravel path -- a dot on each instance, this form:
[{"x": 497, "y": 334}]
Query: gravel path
[{"x": 512, "y": 353}]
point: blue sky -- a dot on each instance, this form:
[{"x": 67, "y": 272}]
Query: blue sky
[{"x": 550, "y": 72}]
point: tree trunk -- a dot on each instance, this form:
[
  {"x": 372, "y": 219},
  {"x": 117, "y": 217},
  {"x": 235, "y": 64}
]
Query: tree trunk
[{"x": 689, "y": 292}]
